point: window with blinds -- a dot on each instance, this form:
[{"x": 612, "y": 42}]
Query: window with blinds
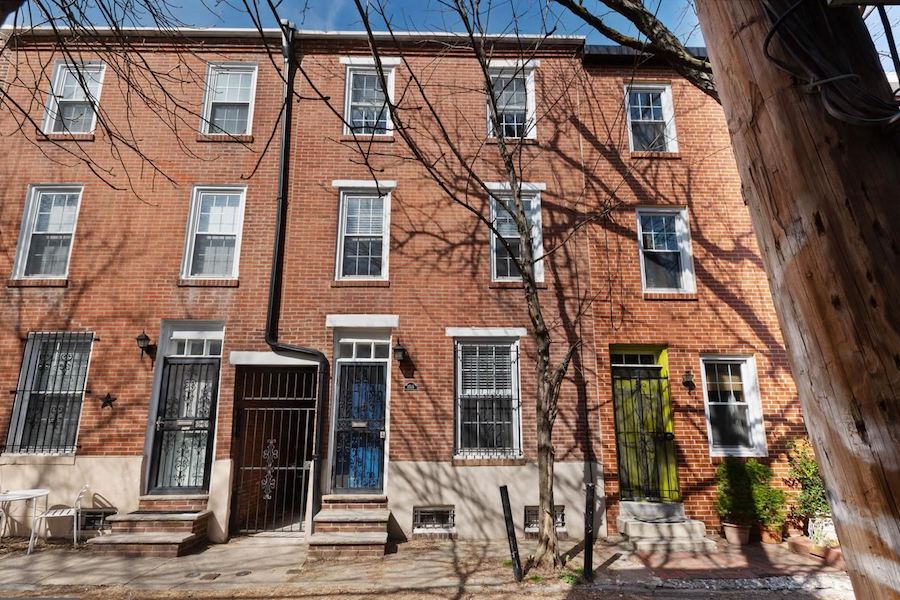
[
  {"x": 74, "y": 97},
  {"x": 362, "y": 237},
  {"x": 229, "y": 99},
  {"x": 487, "y": 400},
  {"x": 504, "y": 257},
  {"x": 216, "y": 222},
  {"x": 45, "y": 242},
  {"x": 50, "y": 392}
]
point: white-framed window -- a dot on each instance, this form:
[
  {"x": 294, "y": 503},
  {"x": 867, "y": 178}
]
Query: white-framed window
[
  {"x": 651, "y": 118},
  {"x": 363, "y": 235},
  {"x": 230, "y": 96},
  {"x": 74, "y": 97},
  {"x": 50, "y": 393},
  {"x": 434, "y": 519},
  {"x": 213, "y": 246},
  {"x": 48, "y": 229},
  {"x": 488, "y": 421},
  {"x": 366, "y": 109},
  {"x": 503, "y": 259},
  {"x": 733, "y": 408},
  {"x": 513, "y": 86},
  {"x": 665, "y": 250}
]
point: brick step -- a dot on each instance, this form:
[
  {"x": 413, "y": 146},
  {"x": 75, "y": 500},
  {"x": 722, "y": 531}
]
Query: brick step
[
  {"x": 357, "y": 544},
  {"x": 161, "y": 522},
  {"x": 649, "y": 546},
  {"x": 148, "y": 544},
  {"x": 353, "y": 501},
  {"x": 669, "y": 529},
  {"x": 173, "y": 503}
]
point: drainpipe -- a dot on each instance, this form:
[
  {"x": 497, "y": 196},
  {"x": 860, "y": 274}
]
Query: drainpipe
[{"x": 275, "y": 281}]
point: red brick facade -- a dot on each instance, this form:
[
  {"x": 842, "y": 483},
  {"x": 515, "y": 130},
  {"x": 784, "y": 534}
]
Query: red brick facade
[{"x": 124, "y": 274}]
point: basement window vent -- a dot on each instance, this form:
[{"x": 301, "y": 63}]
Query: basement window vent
[
  {"x": 531, "y": 518},
  {"x": 434, "y": 519}
]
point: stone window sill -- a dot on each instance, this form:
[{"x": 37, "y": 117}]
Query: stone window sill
[
  {"x": 225, "y": 138},
  {"x": 365, "y": 138},
  {"x": 513, "y": 141},
  {"x": 676, "y": 296},
  {"x": 213, "y": 283},
  {"x": 37, "y": 459},
  {"x": 512, "y": 285},
  {"x": 460, "y": 461},
  {"x": 65, "y": 137},
  {"x": 37, "y": 283},
  {"x": 662, "y": 155},
  {"x": 361, "y": 283}
]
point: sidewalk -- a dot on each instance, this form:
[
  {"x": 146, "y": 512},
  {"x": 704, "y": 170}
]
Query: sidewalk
[{"x": 273, "y": 565}]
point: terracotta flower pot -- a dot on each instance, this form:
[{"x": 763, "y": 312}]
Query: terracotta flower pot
[
  {"x": 737, "y": 535},
  {"x": 771, "y": 536}
]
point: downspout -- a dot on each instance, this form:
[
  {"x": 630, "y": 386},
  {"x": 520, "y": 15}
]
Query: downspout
[{"x": 277, "y": 276}]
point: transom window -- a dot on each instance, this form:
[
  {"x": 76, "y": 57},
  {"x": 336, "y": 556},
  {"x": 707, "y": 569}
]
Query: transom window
[
  {"x": 48, "y": 226},
  {"x": 487, "y": 399},
  {"x": 74, "y": 96},
  {"x": 666, "y": 262},
  {"x": 503, "y": 259},
  {"x": 191, "y": 346},
  {"x": 367, "y": 110},
  {"x": 362, "y": 236},
  {"x": 733, "y": 410},
  {"x": 213, "y": 245},
  {"x": 513, "y": 88},
  {"x": 363, "y": 350},
  {"x": 50, "y": 392},
  {"x": 651, "y": 122},
  {"x": 230, "y": 93}
]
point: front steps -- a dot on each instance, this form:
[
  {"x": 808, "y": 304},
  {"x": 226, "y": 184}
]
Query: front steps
[
  {"x": 662, "y": 527},
  {"x": 154, "y": 531},
  {"x": 350, "y": 526}
]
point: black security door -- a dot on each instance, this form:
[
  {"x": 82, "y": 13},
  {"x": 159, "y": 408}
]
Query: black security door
[{"x": 359, "y": 428}]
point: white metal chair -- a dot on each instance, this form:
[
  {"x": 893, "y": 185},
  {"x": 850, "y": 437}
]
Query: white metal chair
[{"x": 73, "y": 512}]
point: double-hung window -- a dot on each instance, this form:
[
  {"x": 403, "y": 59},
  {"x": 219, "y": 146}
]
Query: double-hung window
[
  {"x": 665, "y": 250},
  {"x": 651, "y": 118},
  {"x": 504, "y": 256},
  {"x": 48, "y": 226},
  {"x": 74, "y": 97},
  {"x": 230, "y": 93},
  {"x": 366, "y": 108},
  {"x": 733, "y": 409},
  {"x": 487, "y": 399},
  {"x": 214, "y": 233},
  {"x": 50, "y": 392},
  {"x": 363, "y": 237},
  {"x": 512, "y": 83}
]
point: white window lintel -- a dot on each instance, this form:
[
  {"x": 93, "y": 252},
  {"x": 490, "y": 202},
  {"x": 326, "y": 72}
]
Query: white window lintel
[
  {"x": 486, "y": 332},
  {"x": 513, "y": 63},
  {"x": 369, "y": 61},
  {"x": 363, "y": 321},
  {"x": 504, "y": 186},
  {"x": 364, "y": 184},
  {"x": 241, "y": 357}
]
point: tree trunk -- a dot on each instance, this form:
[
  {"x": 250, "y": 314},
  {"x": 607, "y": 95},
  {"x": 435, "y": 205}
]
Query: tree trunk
[
  {"x": 548, "y": 541},
  {"x": 825, "y": 202}
]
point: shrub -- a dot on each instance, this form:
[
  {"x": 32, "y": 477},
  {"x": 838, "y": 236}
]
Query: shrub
[
  {"x": 812, "y": 500},
  {"x": 734, "y": 492},
  {"x": 770, "y": 503}
]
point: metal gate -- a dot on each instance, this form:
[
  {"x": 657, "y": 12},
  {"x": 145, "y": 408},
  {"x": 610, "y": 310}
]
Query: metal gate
[
  {"x": 182, "y": 444},
  {"x": 359, "y": 432},
  {"x": 644, "y": 436},
  {"x": 275, "y": 410}
]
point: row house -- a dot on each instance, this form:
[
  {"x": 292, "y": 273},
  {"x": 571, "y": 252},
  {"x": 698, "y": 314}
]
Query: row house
[{"x": 379, "y": 359}]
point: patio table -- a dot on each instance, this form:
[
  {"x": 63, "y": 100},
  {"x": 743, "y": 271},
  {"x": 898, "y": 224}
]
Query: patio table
[{"x": 21, "y": 496}]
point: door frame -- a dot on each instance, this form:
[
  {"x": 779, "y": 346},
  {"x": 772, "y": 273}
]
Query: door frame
[{"x": 353, "y": 336}]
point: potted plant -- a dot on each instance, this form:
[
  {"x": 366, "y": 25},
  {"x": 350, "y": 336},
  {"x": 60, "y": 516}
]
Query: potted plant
[
  {"x": 771, "y": 506},
  {"x": 734, "y": 500},
  {"x": 811, "y": 503}
]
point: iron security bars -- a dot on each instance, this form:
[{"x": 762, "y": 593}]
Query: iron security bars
[{"x": 50, "y": 392}]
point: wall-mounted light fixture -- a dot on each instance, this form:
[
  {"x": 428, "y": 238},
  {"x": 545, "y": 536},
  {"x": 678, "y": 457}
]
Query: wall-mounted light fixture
[
  {"x": 143, "y": 342},
  {"x": 687, "y": 380},
  {"x": 400, "y": 353}
]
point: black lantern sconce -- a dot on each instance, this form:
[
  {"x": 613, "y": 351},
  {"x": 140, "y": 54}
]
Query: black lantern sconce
[
  {"x": 143, "y": 342},
  {"x": 400, "y": 353},
  {"x": 687, "y": 380}
]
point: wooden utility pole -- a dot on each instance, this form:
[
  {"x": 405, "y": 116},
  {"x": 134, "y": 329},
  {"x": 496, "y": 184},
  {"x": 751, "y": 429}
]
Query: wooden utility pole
[{"x": 825, "y": 202}]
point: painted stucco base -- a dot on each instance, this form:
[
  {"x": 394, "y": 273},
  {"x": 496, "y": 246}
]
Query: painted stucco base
[
  {"x": 474, "y": 491},
  {"x": 220, "y": 499},
  {"x": 114, "y": 481}
]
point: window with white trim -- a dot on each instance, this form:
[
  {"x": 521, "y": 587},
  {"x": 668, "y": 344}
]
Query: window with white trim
[
  {"x": 665, "y": 250},
  {"x": 503, "y": 258},
  {"x": 366, "y": 110},
  {"x": 513, "y": 87},
  {"x": 651, "y": 118},
  {"x": 733, "y": 408},
  {"x": 48, "y": 227},
  {"x": 214, "y": 233},
  {"x": 50, "y": 392},
  {"x": 363, "y": 237},
  {"x": 230, "y": 94},
  {"x": 487, "y": 399},
  {"x": 74, "y": 97}
]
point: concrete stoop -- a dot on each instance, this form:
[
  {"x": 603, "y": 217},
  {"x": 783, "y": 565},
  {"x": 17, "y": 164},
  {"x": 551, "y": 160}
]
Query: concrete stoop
[
  {"x": 155, "y": 533},
  {"x": 662, "y": 527},
  {"x": 350, "y": 526}
]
